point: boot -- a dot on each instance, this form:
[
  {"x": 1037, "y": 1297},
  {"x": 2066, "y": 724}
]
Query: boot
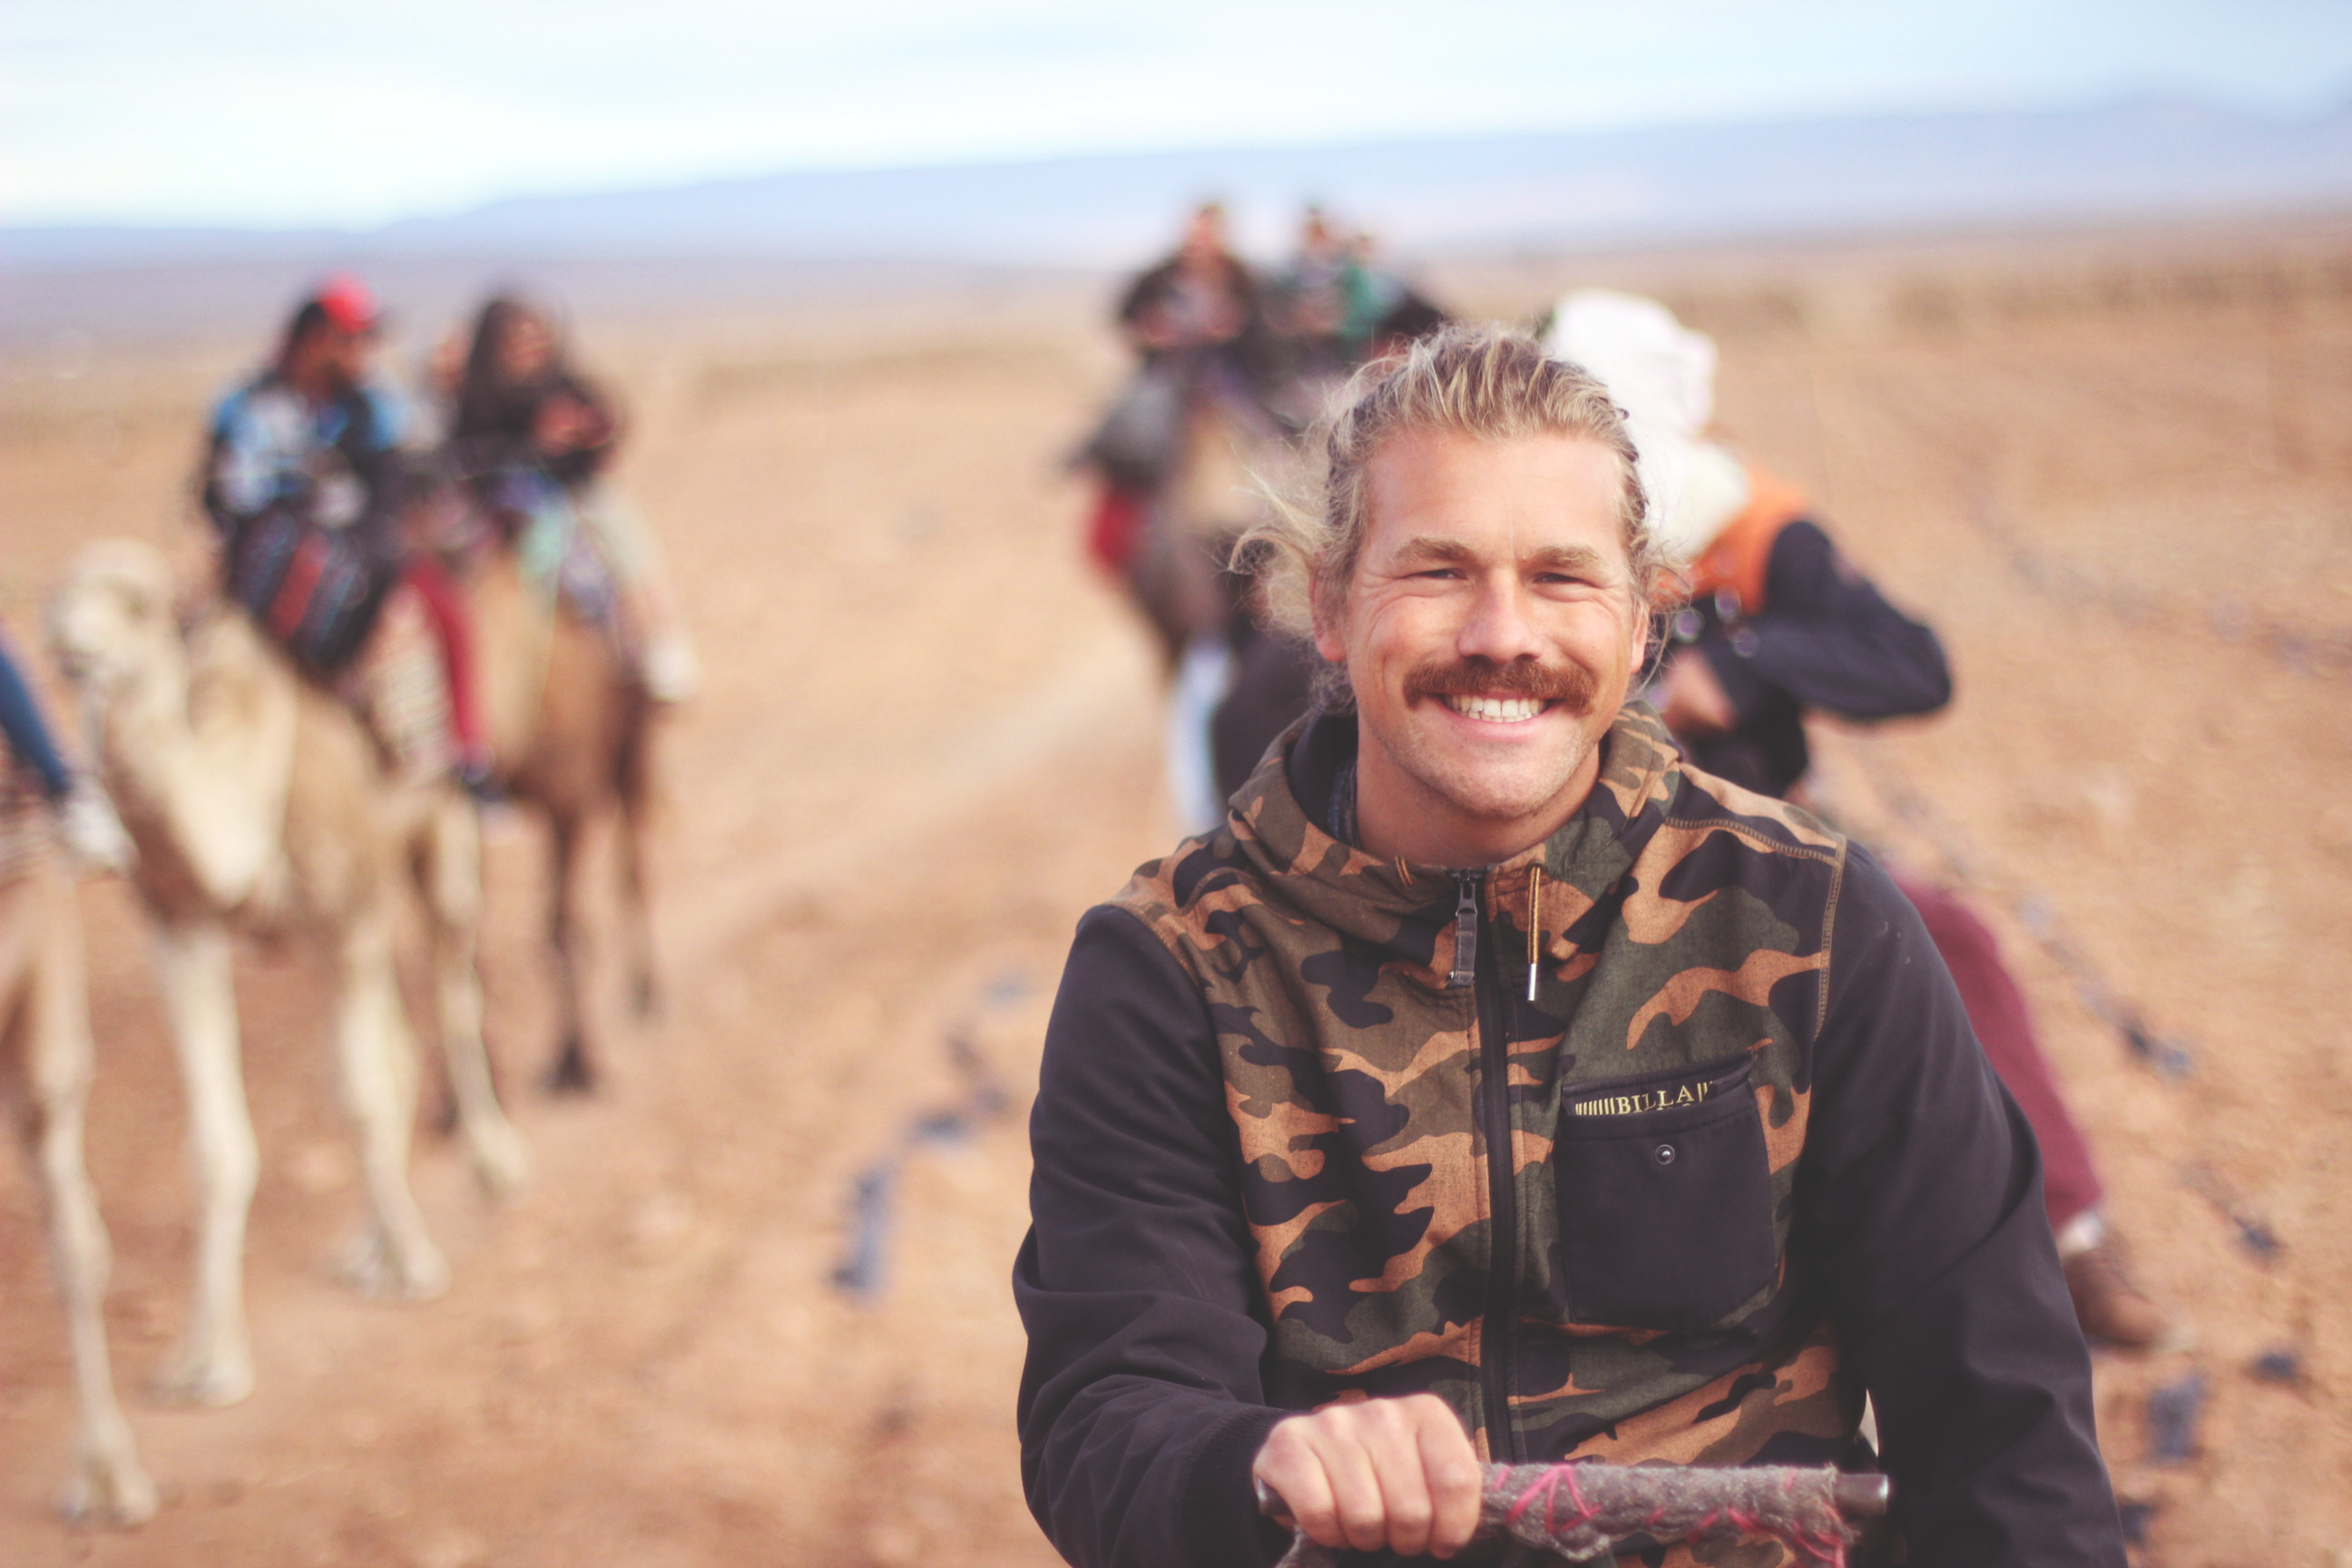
[
  {"x": 93, "y": 834},
  {"x": 2112, "y": 1310},
  {"x": 669, "y": 667}
]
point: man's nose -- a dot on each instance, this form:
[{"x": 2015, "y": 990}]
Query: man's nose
[{"x": 1499, "y": 626}]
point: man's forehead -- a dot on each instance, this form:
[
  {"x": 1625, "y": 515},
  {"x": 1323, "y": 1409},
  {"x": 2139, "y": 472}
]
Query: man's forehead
[
  {"x": 1459, "y": 465},
  {"x": 1443, "y": 493}
]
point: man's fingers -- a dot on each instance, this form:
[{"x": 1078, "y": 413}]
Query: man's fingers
[
  {"x": 1450, "y": 1467},
  {"x": 1320, "y": 1466},
  {"x": 1322, "y": 1477},
  {"x": 1391, "y": 1439},
  {"x": 1287, "y": 1464},
  {"x": 1399, "y": 1474},
  {"x": 1355, "y": 1487}
]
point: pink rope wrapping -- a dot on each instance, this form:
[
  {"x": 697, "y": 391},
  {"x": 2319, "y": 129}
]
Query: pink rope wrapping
[{"x": 1608, "y": 1506}]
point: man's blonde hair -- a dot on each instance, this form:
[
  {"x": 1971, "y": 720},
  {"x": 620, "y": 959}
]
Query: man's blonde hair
[{"x": 1483, "y": 381}]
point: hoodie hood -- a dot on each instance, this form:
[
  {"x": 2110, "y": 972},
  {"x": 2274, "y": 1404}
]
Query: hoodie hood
[{"x": 1404, "y": 909}]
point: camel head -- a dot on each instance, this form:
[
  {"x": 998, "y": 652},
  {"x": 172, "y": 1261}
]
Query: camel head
[{"x": 114, "y": 621}]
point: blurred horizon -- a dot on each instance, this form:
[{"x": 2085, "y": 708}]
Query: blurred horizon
[{"x": 265, "y": 115}]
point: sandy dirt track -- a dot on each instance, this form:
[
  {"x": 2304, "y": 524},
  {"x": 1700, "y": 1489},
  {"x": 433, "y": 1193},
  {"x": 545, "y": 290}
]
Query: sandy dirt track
[{"x": 2118, "y": 477}]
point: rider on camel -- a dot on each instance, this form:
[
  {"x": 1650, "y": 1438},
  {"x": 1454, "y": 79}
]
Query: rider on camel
[
  {"x": 1201, "y": 300},
  {"x": 520, "y": 405},
  {"x": 1309, "y": 299},
  {"x": 312, "y": 447},
  {"x": 1196, "y": 322},
  {"x": 1495, "y": 1085},
  {"x": 1781, "y": 624}
]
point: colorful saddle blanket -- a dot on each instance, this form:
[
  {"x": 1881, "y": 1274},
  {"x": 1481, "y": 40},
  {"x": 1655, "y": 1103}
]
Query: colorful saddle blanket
[
  {"x": 557, "y": 550},
  {"x": 314, "y": 590}
]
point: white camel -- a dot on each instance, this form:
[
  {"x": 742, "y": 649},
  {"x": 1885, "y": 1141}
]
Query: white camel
[
  {"x": 258, "y": 803},
  {"x": 45, "y": 1066}
]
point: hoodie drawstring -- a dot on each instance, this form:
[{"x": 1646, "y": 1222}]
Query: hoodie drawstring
[{"x": 1535, "y": 927}]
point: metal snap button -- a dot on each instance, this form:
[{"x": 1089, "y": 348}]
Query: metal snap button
[{"x": 1665, "y": 1154}]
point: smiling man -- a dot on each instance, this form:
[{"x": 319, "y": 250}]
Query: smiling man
[{"x": 1495, "y": 1086}]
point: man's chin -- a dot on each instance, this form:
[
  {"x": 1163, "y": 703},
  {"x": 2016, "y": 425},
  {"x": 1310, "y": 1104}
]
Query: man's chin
[{"x": 1499, "y": 793}]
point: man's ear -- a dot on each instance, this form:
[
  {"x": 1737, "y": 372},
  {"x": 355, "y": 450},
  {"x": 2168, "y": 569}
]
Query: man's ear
[
  {"x": 1647, "y": 607},
  {"x": 1329, "y": 640}
]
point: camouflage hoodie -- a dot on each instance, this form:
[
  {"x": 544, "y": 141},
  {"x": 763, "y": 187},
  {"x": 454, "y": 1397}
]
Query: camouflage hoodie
[
  {"x": 1316, "y": 1092},
  {"x": 1563, "y": 1207}
]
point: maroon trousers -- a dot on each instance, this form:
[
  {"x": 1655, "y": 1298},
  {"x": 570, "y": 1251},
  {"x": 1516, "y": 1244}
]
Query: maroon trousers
[
  {"x": 2004, "y": 1027},
  {"x": 445, "y": 606}
]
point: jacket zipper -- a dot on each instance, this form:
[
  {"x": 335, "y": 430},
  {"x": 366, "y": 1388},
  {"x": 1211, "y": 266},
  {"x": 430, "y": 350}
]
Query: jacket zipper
[
  {"x": 1465, "y": 931},
  {"x": 1503, "y": 1205}
]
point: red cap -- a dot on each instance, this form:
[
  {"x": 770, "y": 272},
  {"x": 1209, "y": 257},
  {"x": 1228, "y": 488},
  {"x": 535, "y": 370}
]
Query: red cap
[{"x": 349, "y": 303}]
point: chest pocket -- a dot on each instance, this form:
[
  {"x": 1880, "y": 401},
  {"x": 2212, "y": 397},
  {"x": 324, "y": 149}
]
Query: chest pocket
[{"x": 1665, "y": 1197}]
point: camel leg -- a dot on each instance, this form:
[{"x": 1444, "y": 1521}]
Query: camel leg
[
  {"x": 46, "y": 1058},
  {"x": 214, "y": 1362},
  {"x": 450, "y": 879},
  {"x": 377, "y": 1059},
  {"x": 574, "y": 1072},
  {"x": 631, "y": 838}
]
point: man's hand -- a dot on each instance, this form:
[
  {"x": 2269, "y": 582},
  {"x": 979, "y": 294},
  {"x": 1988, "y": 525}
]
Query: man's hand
[
  {"x": 1394, "y": 1473},
  {"x": 1692, "y": 701},
  {"x": 563, "y": 425}
]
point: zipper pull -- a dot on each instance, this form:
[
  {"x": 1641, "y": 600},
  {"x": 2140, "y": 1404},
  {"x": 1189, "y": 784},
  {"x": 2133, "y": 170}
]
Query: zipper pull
[{"x": 1465, "y": 931}]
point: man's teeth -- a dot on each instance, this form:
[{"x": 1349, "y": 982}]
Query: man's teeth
[{"x": 1502, "y": 710}]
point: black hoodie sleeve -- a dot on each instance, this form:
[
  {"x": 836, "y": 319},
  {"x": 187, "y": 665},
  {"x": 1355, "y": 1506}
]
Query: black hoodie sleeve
[
  {"x": 1920, "y": 1203},
  {"x": 1826, "y": 638},
  {"x": 1141, "y": 1408}
]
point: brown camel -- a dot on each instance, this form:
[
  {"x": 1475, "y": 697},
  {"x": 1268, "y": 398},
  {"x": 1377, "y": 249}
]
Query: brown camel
[
  {"x": 1208, "y": 498},
  {"x": 1227, "y": 461},
  {"x": 258, "y": 803},
  {"x": 571, "y": 727},
  {"x": 46, "y": 1066}
]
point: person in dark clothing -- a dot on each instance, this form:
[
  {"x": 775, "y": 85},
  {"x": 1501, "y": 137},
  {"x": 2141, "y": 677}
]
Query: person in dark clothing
[
  {"x": 305, "y": 480},
  {"x": 85, "y": 819},
  {"x": 525, "y": 417},
  {"x": 1497, "y": 1085},
  {"x": 1196, "y": 322},
  {"x": 1735, "y": 691},
  {"x": 1829, "y": 642},
  {"x": 313, "y": 436},
  {"x": 519, "y": 402},
  {"x": 1308, "y": 303},
  {"x": 27, "y": 737},
  {"x": 1272, "y": 685},
  {"x": 1779, "y": 624},
  {"x": 1201, "y": 300}
]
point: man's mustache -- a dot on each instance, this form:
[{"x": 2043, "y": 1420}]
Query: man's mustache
[{"x": 1570, "y": 685}]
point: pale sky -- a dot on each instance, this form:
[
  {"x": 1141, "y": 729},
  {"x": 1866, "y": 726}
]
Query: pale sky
[{"x": 297, "y": 112}]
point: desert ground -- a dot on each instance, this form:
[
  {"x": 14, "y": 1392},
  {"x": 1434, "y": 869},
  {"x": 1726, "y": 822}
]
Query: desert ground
[{"x": 2115, "y": 470}]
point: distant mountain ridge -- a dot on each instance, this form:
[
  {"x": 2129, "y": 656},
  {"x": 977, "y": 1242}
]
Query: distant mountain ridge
[{"x": 2147, "y": 159}]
